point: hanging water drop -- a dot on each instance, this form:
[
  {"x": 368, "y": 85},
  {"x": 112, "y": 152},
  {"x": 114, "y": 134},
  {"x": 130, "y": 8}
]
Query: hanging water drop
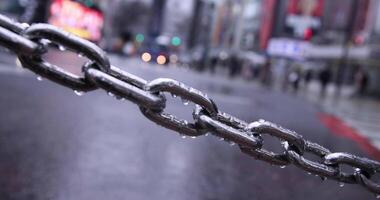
[
  {"x": 78, "y": 93},
  {"x": 118, "y": 97},
  {"x": 110, "y": 94},
  {"x": 39, "y": 78},
  {"x": 61, "y": 48},
  {"x": 184, "y": 136},
  {"x": 221, "y": 139},
  {"x": 207, "y": 134},
  {"x": 308, "y": 173},
  {"x": 174, "y": 96},
  {"x": 80, "y": 55},
  {"x": 193, "y": 137},
  {"x": 341, "y": 184},
  {"x": 283, "y": 166},
  {"x": 185, "y": 102}
]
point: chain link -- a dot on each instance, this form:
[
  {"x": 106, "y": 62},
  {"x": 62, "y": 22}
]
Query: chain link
[{"x": 30, "y": 43}]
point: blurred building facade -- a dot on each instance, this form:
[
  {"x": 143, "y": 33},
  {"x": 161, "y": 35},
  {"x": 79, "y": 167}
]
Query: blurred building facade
[{"x": 342, "y": 35}]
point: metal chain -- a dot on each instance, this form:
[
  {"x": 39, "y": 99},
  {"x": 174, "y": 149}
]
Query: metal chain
[{"x": 30, "y": 43}]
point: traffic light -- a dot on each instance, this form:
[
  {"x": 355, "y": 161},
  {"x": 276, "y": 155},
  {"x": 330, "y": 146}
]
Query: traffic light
[
  {"x": 176, "y": 41},
  {"x": 139, "y": 38}
]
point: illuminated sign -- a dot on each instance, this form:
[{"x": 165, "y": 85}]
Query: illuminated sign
[
  {"x": 77, "y": 19},
  {"x": 304, "y": 16}
]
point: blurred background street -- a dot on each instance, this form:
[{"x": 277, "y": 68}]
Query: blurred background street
[{"x": 308, "y": 65}]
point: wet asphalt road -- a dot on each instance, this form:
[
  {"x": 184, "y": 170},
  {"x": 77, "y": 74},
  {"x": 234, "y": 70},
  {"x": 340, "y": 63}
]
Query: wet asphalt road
[{"x": 56, "y": 145}]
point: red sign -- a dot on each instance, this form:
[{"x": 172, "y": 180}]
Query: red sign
[{"x": 77, "y": 19}]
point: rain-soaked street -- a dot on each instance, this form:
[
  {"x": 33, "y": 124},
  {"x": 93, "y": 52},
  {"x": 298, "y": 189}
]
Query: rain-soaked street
[{"x": 58, "y": 145}]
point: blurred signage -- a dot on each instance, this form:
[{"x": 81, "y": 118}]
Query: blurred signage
[
  {"x": 304, "y": 16},
  {"x": 76, "y": 18},
  {"x": 288, "y": 48},
  {"x": 301, "y": 50}
]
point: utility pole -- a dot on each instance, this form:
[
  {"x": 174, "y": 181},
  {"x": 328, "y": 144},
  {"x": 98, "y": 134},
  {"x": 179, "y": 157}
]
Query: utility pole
[
  {"x": 36, "y": 11},
  {"x": 156, "y": 19},
  {"x": 344, "y": 61},
  {"x": 194, "y": 26},
  {"x": 240, "y": 25}
]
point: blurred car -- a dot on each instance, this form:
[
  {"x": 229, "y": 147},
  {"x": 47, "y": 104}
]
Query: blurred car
[{"x": 157, "y": 51}]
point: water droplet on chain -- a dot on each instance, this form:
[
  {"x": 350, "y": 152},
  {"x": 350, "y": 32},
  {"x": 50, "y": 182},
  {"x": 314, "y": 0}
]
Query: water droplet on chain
[
  {"x": 171, "y": 117},
  {"x": 193, "y": 137},
  {"x": 78, "y": 93},
  {"x": 309, "y": 173},
  {"x": 110, "y": 94},
  {"x": 174, "y": 96},
  {"x": 25, "y": 25},
  {"x": 80, "y": 55},
  {"x": 39, "y": 78},
  {"x": 118, "y": 97},
  {"x": 207, "y": 134},
  {"x": 45, "y": 42},
  {"x": 185, "y": 102},
  {"x": 61, "y": 48},
  {"x": 283, "y": 166},
  {"x": 341, "y": 184},
  {"x": 184, "y": 136},
  {"x": 221, "y": 139}
]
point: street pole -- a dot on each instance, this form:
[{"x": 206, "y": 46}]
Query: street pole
[
  {"x": 194, "y": 24},
  {"x": 156, "y": 19},
  {"x": 240, "y": 25},
  {"x": 36, "y": 11},
  {"x": 344, "y": 61}
]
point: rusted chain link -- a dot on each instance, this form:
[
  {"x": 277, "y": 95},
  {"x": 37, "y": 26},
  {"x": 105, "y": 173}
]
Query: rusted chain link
[{"x": 30, "y": 43}]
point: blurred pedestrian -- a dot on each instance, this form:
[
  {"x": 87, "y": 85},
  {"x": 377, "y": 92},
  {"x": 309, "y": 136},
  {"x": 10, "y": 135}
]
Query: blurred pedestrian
[
  {"x": 361, "y": 81},
  {"x": 308, "y": 77},
  {"x": 213, "y": 64},
  {"x": 235, "y": 65},
  {"x": 324, "y": 78},
  {"x": 266, "y": 72},
  {"x": 295, "y": 78}
]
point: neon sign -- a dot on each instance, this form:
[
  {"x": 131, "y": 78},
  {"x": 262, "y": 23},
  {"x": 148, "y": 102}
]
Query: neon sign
[{"x": 77, "y": 19}]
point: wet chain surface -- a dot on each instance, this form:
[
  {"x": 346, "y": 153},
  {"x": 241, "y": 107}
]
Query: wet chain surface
[{"x": 31, "y": 42}]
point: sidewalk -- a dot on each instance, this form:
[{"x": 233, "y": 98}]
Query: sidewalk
[{"x": 354, "y": 117}]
